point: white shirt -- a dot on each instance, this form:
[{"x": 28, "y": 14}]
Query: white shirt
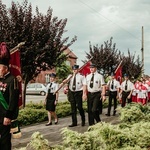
[
  {"x": 130, "y": 86},
  {"x": 54, "y": 87},
  {"x": 116, "y": 85},
  {"x": 80, "y": 81},
  {"x": 142, "y": 92},
  {"x": 97, "y": 83}
]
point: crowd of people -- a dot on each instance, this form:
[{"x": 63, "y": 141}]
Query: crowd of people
[
  {"x": 137, "y": 91},
  {"x": 93, "y": 89}
]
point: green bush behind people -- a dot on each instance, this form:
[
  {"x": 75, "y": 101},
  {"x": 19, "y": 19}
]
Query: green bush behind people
[{"x": 36, "y": 113}]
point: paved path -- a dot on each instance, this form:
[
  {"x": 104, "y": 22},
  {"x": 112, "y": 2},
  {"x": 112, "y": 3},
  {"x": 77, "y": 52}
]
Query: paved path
[{"x": 53, "y": 133}]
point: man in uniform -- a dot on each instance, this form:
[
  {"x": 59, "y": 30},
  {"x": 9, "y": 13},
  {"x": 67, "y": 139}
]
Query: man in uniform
[
  {"x": 127, "y": 88},
  {"x": 94, "y": 88},
  {"x": 76, "y": 82},
  {"x": 9, "y": 96},
  {"x": 113, "y": 85}
]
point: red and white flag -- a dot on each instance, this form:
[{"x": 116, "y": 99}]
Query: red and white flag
[
  {"x": 85, "y": 69},
  {"x": 118, "y": 73},
  {"x": 15, "y": 69}
]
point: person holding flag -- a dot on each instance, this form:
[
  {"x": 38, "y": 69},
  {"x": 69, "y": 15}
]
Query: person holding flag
[
  {"x": 75, "y": 90},
  {"x": 9, "y": 97}
]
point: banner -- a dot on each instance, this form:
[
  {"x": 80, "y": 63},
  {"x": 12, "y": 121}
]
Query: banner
[
  {"x": 15, "y": 69},
  {"x": 85, "y": 70},
  {"x": 118, "y": 74}
]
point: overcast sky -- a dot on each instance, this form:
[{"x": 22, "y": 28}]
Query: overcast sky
[{"x": 99, "y": 20}]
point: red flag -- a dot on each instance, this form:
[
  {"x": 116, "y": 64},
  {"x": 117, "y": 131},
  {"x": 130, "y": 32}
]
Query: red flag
[
  {"x": 85, "y": 69},
  {"x": 118, "y": 74},
  {"x": 15, "y": 69}
]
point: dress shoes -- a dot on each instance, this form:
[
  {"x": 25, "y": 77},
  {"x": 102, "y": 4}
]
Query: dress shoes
[
  {"x": 48, "y": 124},
  {"x": 83, "y": 123},
  {"x": 56, "y": 121},
  {"x": 72, "y": 125},
  {"x": 107, "y": 114}
]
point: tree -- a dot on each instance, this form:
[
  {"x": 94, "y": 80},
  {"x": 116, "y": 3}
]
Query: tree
[
  {"x": 63, "y": 71},
  {"x": 107, "y": 58},
  {"x": 43, "y": 36},
  {"x": 131, "y": 65}
]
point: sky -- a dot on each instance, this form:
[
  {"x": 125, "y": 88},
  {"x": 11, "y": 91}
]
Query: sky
[{"x": 96, "y": 21}]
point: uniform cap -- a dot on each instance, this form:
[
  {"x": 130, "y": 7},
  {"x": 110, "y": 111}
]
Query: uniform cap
[
  {"x": 52, "y": 75},
  {"x": 126, "y": 75},
  {"x": 75, "y": 67},
  {"x": 93, "y": 66},
  {"x": 4, "y": 62}
]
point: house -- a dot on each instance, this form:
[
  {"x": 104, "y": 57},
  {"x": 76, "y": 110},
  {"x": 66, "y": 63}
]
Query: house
[{"x": 43, "y": 77}]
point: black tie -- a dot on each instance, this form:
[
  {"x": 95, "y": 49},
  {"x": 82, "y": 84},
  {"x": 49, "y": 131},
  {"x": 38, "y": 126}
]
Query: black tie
[
  {"x": 92, "y": 80},
  {"x": 126, "y": 86},
  {"x": 112, "y": 84},
  {"x": 50, "y": 87},
  {"x": 74, "y": 83}
]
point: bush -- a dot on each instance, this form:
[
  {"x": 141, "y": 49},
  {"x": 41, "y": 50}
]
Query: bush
[{"x": 36, "y": 112}]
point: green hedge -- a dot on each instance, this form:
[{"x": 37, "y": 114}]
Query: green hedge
[{"x": 36, "y": 112}]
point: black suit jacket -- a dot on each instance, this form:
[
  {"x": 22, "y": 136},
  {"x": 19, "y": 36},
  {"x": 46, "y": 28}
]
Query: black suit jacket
[{"x": 10, "y": 90}]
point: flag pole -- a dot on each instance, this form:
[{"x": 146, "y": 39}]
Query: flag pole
[
  {"x": 64, "y": 82},
  {"x": 16, "y": 47},
  {"x": 85, "y": 63},
  {"x": 142, "y": 50},
  {"x": 119, "y": 66}
]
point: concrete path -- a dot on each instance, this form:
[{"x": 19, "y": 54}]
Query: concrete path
[{"x": 53, "y": 133}]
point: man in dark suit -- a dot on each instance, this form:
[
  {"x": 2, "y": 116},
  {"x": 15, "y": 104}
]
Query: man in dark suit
[{"x": 9, "y": 97}]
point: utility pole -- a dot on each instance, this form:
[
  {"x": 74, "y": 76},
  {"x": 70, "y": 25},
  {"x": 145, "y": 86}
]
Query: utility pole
[{"x": 142, "y": 50}]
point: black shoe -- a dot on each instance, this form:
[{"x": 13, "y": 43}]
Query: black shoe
[
  {"x": 56, "y": 121},
  {"x": 107, "y": 114},
  {"x": 72, "y": 125},
  {"x": 114, "y": 114},
  {"x": 48, "y": 124},
  {"x": 83, "y": 123}
]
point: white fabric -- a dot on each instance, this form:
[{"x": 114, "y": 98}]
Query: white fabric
[
  {"x": 54, "y": 87},
  {"x": 80, "y": 81},
  {"x": 97, "y": 83},
  {"x": 116, "y": 85},
  {"x": 130, "y": 86}
]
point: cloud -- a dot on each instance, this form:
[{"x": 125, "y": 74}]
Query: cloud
[{"x": 97, "y": 21}]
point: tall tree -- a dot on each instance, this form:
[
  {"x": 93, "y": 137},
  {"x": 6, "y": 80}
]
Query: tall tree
[
  {"x": 131, "y": 65},
  {"x": 42, "y": 34},
  {"x": 107, "y": 58}
]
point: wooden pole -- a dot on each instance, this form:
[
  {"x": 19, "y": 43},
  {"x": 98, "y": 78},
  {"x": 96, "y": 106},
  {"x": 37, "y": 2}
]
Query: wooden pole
[
  {"x": 67, "y": 80},
  {"x": 16, "y": 47},
  {"x": 142, "y": 50},
  {"x": 119, "y": 66}
]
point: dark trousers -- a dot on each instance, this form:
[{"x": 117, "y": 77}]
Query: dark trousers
[
  {"x": 124, "y": 98},
  {"x": 93, "y": 104},
  {"x": 112, "y": 96},
  {"x": 75, "y": 99},
  {"x": 5, "y": 137}
]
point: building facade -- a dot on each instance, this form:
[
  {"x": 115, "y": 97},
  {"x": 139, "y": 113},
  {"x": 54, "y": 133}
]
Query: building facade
[{"x": 43, "y": 77}]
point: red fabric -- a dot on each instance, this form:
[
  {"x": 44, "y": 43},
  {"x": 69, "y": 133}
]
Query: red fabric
[
  {"x": 85, "y": 69},
  {"x": 15, "y": 69},
  {"x": 118, "y": 74}
]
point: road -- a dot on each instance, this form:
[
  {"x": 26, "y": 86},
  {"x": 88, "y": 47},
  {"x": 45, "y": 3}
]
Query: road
[{"x": 39, "y": 98}]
